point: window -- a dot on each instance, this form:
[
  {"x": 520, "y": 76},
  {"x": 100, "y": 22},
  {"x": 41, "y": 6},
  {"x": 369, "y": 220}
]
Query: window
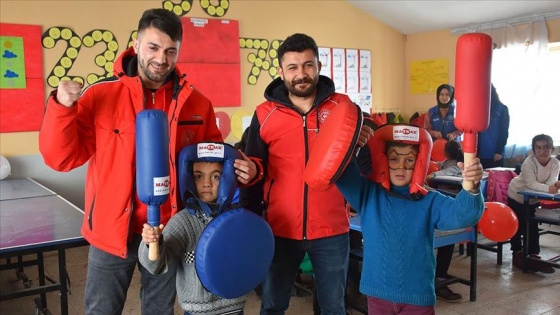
[{"x": 529, "y": 84}]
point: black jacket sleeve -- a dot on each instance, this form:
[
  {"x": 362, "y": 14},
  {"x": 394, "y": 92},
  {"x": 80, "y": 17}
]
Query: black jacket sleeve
[{"x": 251, "y": 198}]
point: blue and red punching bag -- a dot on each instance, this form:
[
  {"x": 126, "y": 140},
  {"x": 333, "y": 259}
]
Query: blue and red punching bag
[
  {"x": 472, "y": 91},
  {"x": 152, "y": 165}
]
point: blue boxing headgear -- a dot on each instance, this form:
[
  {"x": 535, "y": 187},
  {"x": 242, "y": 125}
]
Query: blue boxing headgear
[{"x": 209, "y": 152}]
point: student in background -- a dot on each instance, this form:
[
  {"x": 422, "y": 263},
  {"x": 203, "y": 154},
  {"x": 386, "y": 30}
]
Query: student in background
[
  {"x": 492, "y": 141},
  {"x": 398, "y": 230},
  {"x": 453, "y": 155},
  {"x": 440, "y": 119},
  {"x": 539, "y": 172}
]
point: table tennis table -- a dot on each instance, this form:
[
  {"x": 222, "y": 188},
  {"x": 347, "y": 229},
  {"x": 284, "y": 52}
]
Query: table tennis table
[{"x": 35, "y": 220}]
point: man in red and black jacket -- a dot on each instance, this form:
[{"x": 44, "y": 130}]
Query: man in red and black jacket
[{"x": 282, "y": 133}]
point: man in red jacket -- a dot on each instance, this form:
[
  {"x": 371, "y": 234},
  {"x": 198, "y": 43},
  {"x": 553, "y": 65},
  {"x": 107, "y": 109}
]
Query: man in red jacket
[
  {"x": 282, "y": 133},
  {"x": 98, "y": 127}
]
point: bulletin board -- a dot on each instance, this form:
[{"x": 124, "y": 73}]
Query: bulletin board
[{"x": 22, "y": 93}]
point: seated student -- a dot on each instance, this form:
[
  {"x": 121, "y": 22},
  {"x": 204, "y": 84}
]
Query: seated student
[
  {"x": 180, "y": 238},
  {"x": 398, "y": 219},
  {"x": 539, "y": 172},
  {"x": 453, "y": 155}
]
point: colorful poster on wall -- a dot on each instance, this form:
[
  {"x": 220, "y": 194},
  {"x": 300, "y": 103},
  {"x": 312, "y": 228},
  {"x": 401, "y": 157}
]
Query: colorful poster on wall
[
  {"x": 12, "y": 63},
  {"x": 427, "y": 75},
  {"x": 210, "y": 57},
  {"x": 22, "y": 92}
]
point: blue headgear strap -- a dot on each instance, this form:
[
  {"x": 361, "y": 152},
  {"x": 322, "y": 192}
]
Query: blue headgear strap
[{"x": 209, "y": 152}]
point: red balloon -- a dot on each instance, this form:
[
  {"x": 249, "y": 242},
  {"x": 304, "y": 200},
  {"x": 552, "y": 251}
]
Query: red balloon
[
  {"x": 498, "y": 222},
  {"x": 438, "y": 150},
  {"x": 433, "y": 167}
]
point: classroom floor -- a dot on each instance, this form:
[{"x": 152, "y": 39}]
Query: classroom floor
[{"x": 500, "y": 290}]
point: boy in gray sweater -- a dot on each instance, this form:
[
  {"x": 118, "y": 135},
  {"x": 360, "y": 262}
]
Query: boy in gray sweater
[{"x": 180, "y": 238}]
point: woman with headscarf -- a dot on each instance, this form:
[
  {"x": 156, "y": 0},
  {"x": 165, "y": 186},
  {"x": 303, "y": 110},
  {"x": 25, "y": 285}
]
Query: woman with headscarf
[{"x": 440, "y": 119}]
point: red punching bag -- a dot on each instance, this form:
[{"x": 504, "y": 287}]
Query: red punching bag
[{"x": 472, "y": 90}]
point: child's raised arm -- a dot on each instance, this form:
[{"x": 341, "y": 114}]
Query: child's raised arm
[{"x": 472, "y": 172}]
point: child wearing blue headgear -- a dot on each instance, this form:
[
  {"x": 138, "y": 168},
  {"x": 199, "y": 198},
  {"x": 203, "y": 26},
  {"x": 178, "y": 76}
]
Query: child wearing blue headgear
[{"x": 207, "y": 184}]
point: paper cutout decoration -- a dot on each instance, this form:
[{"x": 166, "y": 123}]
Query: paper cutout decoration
[
  {"x": 262, "y": 59},
  {"x": 224, "y": 123},
  {"x": 239, "y": 122},
  {"x": 12, "y": 63},
  {"x": 209, "y": 55},
  {"x": 22, "y": 93}
]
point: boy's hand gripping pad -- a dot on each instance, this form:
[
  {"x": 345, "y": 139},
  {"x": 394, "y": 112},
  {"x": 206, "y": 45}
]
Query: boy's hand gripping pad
[
  {"x": 334, "y": 146},
  {"x": 234, "y": 253}
]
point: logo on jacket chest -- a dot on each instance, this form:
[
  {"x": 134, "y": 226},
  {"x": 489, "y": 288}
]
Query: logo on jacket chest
[{"x": 323, "y": 114}]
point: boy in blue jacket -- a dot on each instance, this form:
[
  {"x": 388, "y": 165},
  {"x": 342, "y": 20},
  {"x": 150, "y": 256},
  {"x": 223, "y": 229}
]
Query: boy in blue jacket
[{"x": 398, "y": 218}]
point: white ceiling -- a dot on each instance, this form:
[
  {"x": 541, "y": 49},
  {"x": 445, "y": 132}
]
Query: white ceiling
[{"x": 410, "y": 17}]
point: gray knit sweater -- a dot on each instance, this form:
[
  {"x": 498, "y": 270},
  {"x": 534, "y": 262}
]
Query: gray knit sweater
[{"x": 180, "y": 238}]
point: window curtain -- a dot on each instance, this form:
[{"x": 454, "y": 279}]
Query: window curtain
[{"x": 520, "y": 72}]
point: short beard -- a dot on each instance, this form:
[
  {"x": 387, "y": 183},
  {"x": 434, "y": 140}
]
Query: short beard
[
  {"x": 305, "y": 93},
  {"x": 150, "y": 75}
]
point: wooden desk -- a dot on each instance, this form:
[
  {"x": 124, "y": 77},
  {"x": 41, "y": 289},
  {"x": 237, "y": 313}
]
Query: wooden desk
[
  {"x": 527, "y": 196},
  {"x": 35, "y": 220},
  {"x": 442, "y": 238}
]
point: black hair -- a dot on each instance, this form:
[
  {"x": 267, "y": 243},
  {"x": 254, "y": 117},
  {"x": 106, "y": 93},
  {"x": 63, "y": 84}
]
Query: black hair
[
  {"x": 453, "y": 151},
  {"x": 297, "y": 43},
  {"x": 164, "y": 20},
  {"x": 542, "y": 137}
]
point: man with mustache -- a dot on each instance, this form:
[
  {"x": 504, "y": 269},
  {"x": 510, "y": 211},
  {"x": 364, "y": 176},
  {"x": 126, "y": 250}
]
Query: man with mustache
[
  {"x": 282, "y": 133},
  {"x": 98, "y": 127}
]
